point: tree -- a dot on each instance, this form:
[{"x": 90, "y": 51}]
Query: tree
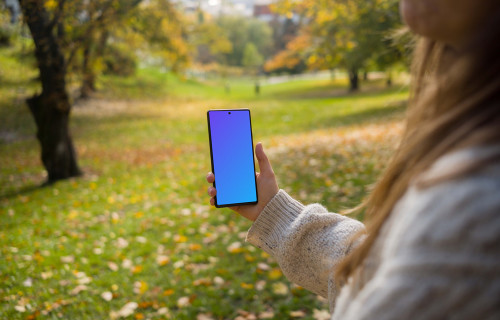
[
  {"x": 240, "y": 31},
  {"x": 293, "y": 58},
  {"x": 86, "y": 28},
  {"x": 210, "y": 41},
  {"x": 51, "y": 108},
  {"x": 346, "y": 33},
  {"x": 158, "y": 28},
  {"x": 61, "y": 31},
  {"x": 251, "y": 57}
]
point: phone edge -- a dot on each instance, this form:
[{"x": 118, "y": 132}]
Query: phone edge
[{"x": 253, "y": 158}]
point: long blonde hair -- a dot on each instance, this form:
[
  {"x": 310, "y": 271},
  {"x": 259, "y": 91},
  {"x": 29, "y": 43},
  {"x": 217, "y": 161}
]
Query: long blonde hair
[{"x": 454, "y": 104}]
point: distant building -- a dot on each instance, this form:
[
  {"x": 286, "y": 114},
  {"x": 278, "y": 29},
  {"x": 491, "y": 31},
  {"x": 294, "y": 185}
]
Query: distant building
[
  {"x": 263, "y": 12},
  {"x": 219, "y": 8}
]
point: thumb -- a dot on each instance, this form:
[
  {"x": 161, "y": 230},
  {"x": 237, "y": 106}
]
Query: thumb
[{"x": 264, "y": 164}]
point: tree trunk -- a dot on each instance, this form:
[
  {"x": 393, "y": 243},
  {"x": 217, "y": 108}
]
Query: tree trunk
[
  {"x": 89, "y": 55},
  {"x": 388, "y": 80},
  {"x": 51, "y": 108},
  {"x": 88, "y": 81},
  {"x": 332, "y": 74},
  {"x": 353, "y": 80}
]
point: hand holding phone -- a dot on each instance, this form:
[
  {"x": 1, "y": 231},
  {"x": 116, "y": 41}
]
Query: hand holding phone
[
  {"x": 266, "y": 185},
  {"x": 231, "y": 151}
]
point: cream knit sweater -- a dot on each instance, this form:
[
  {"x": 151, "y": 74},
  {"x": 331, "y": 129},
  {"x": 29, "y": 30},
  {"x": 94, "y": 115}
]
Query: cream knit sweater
[{"x": 437, "y": 257}]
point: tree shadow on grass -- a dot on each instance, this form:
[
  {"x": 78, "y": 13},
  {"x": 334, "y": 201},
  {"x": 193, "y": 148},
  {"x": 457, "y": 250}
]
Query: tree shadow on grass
[
  {"x": 24, "y": 190},
  {"x": 325, "y": 91},
  {"x": 372, "y": 115}
]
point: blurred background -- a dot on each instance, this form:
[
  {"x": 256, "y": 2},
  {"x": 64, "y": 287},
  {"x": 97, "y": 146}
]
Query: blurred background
[{"x": 104, "y": 146}]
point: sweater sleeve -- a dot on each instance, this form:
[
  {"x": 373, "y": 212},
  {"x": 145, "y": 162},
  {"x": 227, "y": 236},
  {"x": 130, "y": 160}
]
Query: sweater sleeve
[
  {"x": 307, "y": 241},
  {"x": 439, "y": 258}
]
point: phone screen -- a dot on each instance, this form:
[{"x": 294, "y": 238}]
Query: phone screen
[{"x": 231, "y": 150}]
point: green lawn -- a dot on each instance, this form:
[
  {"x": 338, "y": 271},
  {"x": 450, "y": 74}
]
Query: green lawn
[{"x": 135, "y": 237}]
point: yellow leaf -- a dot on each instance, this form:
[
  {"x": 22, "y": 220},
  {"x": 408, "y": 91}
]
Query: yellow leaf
[
  {"x": 168, "y": 292},
  {"x": 139, "y": 214},
  {"x": 180, "y": 238},
  {"x": 202, "y": 282},
  {"x": 140, "y": 287},
  {"x": 246, "y": 285},
  {"x": 275, "y": 274},
  {"x": 162, "y": 260},
  {"x": 249, "y": 258},
  {"x": 72, "y": 214},
  {"x": 137, "y": 269},
  {"x": 194, "y": 247},
  {"x": 235, "y": 247},
  {"x": 280, "y": 288},
  {"x": 50, "y": 4}
]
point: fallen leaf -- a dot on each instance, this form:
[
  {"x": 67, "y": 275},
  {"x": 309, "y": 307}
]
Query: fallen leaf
[
  {"x": 262, "y": 266},
  {"x": 183, "y": 302},
  {"x": 113, "y": 266},
  {"x": 20, "y": 308},
  {"x": 266, "y": 315},
  {"x": 280, "y": 288},
  {"x": 297, "y": 314},
  {"x": 107, "y": 295},
  {"x": 141, "y": 239},
  {"x": 140, "y": 287},
  {"x": 235, "y": 247},
  {"x": 275, "y": 274},
  {"x": 162, "y": 260},
  {"x": 321, "y": 315},
  {"x": 260, "y": 285},
  {"x": 68, "y": 259},
  {"x": 246, "y": 285},
  {"x": 78, "y": 289},
  {"x": 28, "y": 282},
  {"x": 202, "y": 282},
  {"x": 194, "y": 247},
  {"x": 162, "y": 311},
  {"x": 121, "y": 243},
  {"x": 168, "y": 292},
  {"x": 137, "y": 269},
  {"x": 125, "y": 311},
  {"x": 218, "y": 281},
  {"x": 127, "y": 264},
  {"x": 180, "y": 238}
]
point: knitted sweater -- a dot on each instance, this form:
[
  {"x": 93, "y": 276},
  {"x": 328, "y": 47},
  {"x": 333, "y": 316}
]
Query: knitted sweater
[{"x": 436, "y": 257}]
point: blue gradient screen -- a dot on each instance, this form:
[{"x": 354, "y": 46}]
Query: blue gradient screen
[{"x": 232, "y": 156}]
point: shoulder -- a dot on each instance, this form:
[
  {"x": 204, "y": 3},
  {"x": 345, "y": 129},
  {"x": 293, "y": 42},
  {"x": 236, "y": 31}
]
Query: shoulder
[{"x": 463, "y": 211}]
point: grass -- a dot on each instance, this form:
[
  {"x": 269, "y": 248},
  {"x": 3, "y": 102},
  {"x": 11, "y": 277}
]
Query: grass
[{"x": 137, "y": 228}]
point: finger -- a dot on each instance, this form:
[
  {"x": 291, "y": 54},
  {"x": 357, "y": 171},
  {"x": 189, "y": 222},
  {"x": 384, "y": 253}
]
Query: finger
[
  {"x": 210, "y": 177},
  {"x": 212, "y": 201},
  {"x": 211, "y": 191},
  {"x": 236, "y": 209},
  {"x": 264, "y": 164}
]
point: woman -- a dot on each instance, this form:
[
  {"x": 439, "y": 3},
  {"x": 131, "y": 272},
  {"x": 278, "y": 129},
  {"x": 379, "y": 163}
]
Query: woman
[{"x": 431, "y": 245}]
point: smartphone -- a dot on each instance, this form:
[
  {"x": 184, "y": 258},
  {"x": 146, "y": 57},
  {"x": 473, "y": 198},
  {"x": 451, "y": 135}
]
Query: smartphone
[{"x": 232, "y": 155}]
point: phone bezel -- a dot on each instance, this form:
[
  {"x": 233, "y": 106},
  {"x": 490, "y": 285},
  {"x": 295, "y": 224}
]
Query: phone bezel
[{"x": 212, "y": 157}]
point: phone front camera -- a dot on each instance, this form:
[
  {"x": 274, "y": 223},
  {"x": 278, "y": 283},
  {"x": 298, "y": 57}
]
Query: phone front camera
[{"x": 229, "y": 113}]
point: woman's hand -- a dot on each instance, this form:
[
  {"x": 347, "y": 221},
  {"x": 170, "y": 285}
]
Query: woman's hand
[{"x": 267, "y": 187}]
